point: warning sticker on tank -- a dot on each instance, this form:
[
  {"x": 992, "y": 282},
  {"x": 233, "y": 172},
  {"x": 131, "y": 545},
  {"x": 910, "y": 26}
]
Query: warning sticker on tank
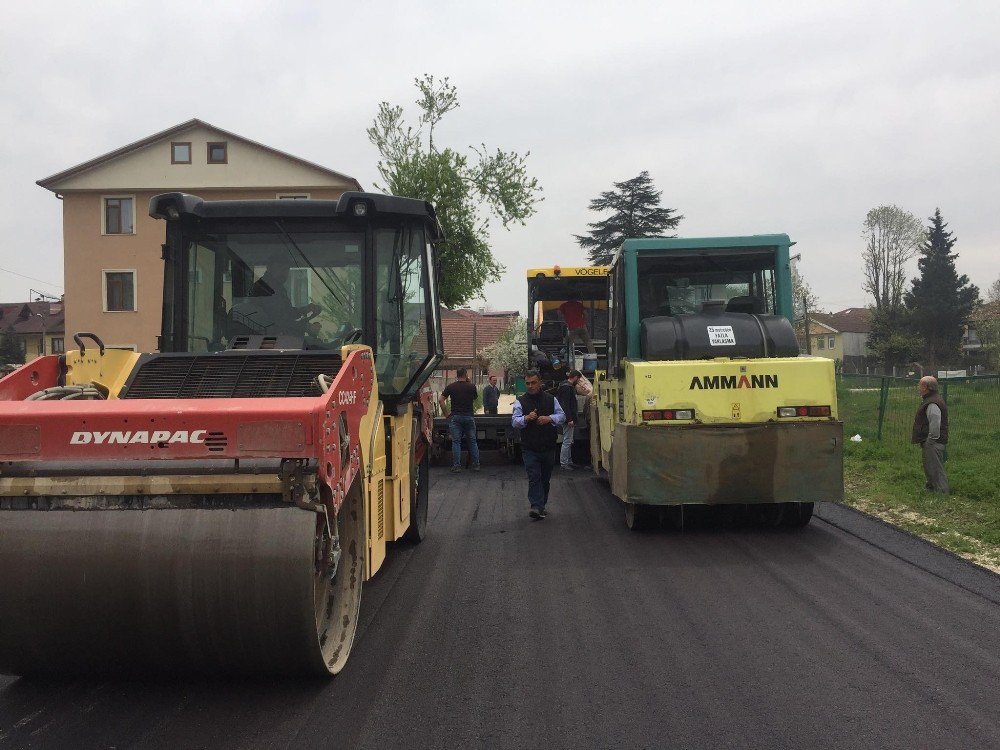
[{"x": 721, "y": 336}]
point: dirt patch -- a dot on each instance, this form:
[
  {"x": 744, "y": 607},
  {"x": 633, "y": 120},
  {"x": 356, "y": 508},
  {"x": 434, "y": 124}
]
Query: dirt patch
[{"x": 967, "y": 547}]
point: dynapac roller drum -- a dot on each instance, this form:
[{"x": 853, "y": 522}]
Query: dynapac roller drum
[{"x": 217, "y": 505}]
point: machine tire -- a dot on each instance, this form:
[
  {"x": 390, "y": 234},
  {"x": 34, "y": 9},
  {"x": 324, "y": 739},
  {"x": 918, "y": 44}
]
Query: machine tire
[
  {"x": 420, "y": 485},
  {"x": 797, "y": 515},
  {"x": 338, "y": 601},
  {"x": 639, "y": 517}
]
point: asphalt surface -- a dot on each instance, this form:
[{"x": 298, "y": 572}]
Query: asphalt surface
[{"x": 573, "y": 632}]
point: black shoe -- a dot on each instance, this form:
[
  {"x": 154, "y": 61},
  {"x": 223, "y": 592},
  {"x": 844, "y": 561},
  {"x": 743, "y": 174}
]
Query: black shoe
[
  {"x": 567, "y": 467},
  {"x": 475, "y": 467},
  {"x": 535, "y": 513},
  {"x": 545, "y": 513}
]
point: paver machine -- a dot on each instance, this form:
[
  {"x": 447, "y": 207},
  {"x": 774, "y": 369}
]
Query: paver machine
[
  {"x": 551, "y": 348},
  {"x": 216, "y": 506},
  {"x": 706, "y": 400}
]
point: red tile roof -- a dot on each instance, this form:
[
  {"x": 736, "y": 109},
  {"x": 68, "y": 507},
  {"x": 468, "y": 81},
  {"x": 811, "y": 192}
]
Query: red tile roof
[
  {"x": 851, "y": 320},
  {"x": 23, "y": 317},
  {"x": 469, "y": 332},
  {"x": 986, "y": 312}
]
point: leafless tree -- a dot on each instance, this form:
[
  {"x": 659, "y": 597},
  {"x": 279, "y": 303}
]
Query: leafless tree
[
  {"x": 892, "y": 238},
  {"x": 802, "y": 294}
]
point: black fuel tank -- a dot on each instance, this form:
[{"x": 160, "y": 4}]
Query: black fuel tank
[{"x": 716, "y": 333}]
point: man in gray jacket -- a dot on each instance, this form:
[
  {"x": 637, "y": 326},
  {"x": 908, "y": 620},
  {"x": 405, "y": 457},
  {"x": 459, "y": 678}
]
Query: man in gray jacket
[{"x": 930, "y": 431}]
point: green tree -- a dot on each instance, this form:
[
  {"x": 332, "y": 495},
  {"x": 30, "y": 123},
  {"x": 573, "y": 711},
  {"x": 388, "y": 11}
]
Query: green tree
[
  {"x": 939, "y": 300},
  {"x": 891, "y": 341},
  {"x": 510, "y": 352},
  {"x": 465, "y": 191},
  {"x": 10, "y": 350},
  {"x": 636, "y": 213},
  {"x": 802, "y": 294},
  {"x": 892, "y": 239}
]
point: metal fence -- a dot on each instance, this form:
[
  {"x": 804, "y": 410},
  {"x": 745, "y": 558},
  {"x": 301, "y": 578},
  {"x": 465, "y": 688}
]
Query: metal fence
[{"x": 882, "y": 407}]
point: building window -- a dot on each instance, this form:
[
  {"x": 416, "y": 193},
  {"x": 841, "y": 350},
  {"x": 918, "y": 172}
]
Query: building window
[
  {"x": 118, "y": 216},
  {"x": 180, "y": 153},
  {"x": 831, "y": 342},
  {"x": 821, "y": 342},
  {"x": 293, "y": 196},
  {"x": 218, "y": 153},
  {"x": 58, "y": 346},
  {"x": 119, "y": 291}
]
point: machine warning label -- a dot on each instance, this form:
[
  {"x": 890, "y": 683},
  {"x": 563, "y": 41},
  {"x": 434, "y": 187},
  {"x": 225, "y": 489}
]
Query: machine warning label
[{"x": 721, "y": 336}]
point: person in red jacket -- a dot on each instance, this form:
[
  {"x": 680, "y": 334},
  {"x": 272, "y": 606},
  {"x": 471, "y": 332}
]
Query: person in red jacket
[{"x": 575, "y": 315}]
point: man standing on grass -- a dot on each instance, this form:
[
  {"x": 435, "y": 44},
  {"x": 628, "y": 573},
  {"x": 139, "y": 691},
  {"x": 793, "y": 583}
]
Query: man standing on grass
[
  {"x": 930, "y": 431},
  {"x": 537, "y": 415},
  {"x": 463, "y": 397}
]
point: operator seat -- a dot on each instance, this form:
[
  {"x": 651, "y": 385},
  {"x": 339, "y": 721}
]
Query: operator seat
[
  {"x": 750, "y": 305},
  {"x": 551, "y": 332}
]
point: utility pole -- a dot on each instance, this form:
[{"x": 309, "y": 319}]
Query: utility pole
[{"x": 41, "y": 346}]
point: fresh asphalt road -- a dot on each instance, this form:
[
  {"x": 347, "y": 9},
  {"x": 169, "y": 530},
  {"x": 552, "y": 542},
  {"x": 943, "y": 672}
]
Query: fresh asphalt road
[{"x": 573, "y": 632}]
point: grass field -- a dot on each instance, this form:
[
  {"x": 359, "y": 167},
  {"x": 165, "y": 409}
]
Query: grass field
[{"x": 885, "y": 477}]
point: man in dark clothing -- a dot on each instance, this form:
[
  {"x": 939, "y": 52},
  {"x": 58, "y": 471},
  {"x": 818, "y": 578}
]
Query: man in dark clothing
[
  {"x": 537, "y": 415},
  {"x": 281, "y": 316},
  {"x": 463, "y": 395},
  {"x": 930, "y": 431},
  {"x": 566, "y": 395},
  {"x": 491, "y": 396}
]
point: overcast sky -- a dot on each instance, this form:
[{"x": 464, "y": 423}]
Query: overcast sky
[{"x": 751, "y": 117}]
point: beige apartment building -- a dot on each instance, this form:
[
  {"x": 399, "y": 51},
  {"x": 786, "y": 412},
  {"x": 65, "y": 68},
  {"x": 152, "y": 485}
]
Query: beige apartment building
[{"x": 112, "y": 265}]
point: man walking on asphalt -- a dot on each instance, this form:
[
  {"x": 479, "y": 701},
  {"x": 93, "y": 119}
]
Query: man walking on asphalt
[
  {"x": 566, "y": 396},
  {"x": 463, "y": 395},
  {"x": 930, "y": 431},
  {"x": 537, "y": 415},
  {"x": 491, "y": 396}
]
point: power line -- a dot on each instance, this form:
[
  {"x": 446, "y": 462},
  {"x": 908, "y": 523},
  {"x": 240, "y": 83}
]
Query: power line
[{"x": 31, "y": 278}]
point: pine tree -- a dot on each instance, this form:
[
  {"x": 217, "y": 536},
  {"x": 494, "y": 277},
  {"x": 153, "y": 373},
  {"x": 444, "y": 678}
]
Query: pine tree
[
  {"x": 939, "y": 301},
  {"x": 637, "y": 213}
]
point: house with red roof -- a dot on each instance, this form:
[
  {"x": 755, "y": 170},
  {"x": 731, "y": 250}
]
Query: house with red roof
[
  {"x": 841, "y": 336},
  {"x": 466, "y": 334},
  {"x": 977, "y": 353},
  {"x": 37, "y": 327}
]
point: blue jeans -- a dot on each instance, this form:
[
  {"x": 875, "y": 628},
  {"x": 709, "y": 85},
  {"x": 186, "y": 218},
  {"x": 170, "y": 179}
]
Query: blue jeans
[
  {"x": 539, "y": 465},
  {"x": 463, "y": 425},
  {"x": 566, "y": 452}
]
